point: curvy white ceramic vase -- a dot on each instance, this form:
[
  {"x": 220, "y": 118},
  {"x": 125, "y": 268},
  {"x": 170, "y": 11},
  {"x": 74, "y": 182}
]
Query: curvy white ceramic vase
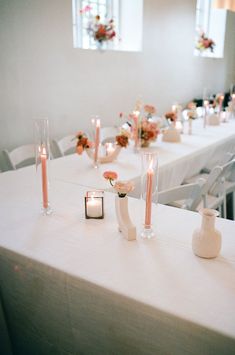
[
  {"x": 206, "y": 241},
  {"x": 104, "y": 159},
  {"x": 125, "y": 225}
]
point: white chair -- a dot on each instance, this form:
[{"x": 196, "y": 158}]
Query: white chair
[
  {"x": 183, "y": 196},
  {"x": 217, "y": 186},
  {"x": 64, "y": 146},
  {"x": 19, "y": 157},
  {"x": 108, "y": 134}
]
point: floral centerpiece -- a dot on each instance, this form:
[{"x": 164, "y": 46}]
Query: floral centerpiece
[
  {"x": 101, "y": 31},
  {"x": 82, "y": 142},
  {"x": 204, "y": 43},
  {"x": 142, "y": 128},
  {"x": 148, "y": 132},
  {"x": 122, "y": 187},
  {"x": 125, "y": 225}
]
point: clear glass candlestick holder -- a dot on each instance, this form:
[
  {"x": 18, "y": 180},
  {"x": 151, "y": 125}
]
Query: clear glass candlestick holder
[
  {"x": 42, "y": 157},
  {"x": 149, "y": 190}
]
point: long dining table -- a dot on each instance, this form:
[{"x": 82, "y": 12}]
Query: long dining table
[
  {"x": 75, "y": 286},
  {"x": 69, "y": 285},
  {"x": 205, "y": 148}
]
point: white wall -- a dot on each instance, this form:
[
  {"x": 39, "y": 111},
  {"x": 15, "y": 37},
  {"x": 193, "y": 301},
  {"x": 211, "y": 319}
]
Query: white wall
[{"x": 42, "y": 75}]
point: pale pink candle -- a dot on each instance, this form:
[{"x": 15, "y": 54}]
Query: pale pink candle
[
  {"x": 148, "y": 206},
  {"x": 221, "y": 99},
  {"x": 97, "y": 139},
  {"x": 44, "y": 178}
]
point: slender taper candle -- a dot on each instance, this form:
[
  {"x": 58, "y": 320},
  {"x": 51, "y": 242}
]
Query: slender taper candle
[
  {"x": 97, "y": 140},
  {"x": 44, "y": 178},
  {"x": 149, "y": 186}
]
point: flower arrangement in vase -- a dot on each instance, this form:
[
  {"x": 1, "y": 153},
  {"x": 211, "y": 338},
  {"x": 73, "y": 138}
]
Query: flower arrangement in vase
[
  {"x": 204, "y": 43},
  {"x": 101, "y": 32},
  {"x": 148, "y": 132},
  {"x": 142, "y": 129},
  {"x": 122, "y": 188},
  {"x": 171, "y": 134},
  {"x": 83, "y": 144}
]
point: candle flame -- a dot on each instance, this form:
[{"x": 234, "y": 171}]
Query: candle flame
[
  {"x": 206, "y": 102},
  {"x": 97, "y": 122},
  {"x": 151, "y": 166},
  {"x": 44, "y": 152}
]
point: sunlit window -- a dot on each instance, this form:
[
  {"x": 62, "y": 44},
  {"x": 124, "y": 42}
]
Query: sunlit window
[
  {"x": 210, "y": 30},
  {"x": 108, "y": 24}
]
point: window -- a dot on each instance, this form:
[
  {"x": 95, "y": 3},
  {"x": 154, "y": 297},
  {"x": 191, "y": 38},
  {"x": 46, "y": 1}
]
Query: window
[
  {"x": 127, "y": 18},
  {"x": 212, "y": 22}
]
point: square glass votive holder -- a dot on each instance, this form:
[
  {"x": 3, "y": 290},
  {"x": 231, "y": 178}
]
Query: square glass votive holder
[{"x": 94, "y": 205}]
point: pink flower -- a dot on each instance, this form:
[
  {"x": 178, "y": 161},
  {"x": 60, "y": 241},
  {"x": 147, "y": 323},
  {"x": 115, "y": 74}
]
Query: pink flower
[{"x": 123, "y": 187}]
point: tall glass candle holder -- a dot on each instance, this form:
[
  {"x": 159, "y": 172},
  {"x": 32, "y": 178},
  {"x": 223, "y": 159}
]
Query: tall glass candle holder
[
  {"x": 136, "y": 130},
  {"x": 96, "y": 126},
  {"x": 42, "y": 156},
  {"x": 149, "y": 188},
  {"x": 206, "y": 109}
]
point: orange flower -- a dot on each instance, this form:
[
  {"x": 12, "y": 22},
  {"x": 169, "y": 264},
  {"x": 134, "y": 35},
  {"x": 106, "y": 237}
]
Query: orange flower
[
  {"x": 110, "y": 175},
  {"x": 79, "y": 149},
  {"x": 171, "y": 116},
  {"x": 122, "y": 140}
]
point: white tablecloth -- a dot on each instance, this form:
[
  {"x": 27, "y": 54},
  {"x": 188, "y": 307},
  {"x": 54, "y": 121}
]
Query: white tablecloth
[
  {"x": 72, "y": 285},
  {"x": 177, "y": 161}
]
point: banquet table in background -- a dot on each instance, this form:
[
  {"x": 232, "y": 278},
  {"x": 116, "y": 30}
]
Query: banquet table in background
[
  {"x": 71, "y": 285},
  {"x": 177, "y": 161}
]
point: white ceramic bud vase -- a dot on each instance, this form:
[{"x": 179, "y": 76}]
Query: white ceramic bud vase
[
  {"x": 206, "y": 241},
  {"x": 125, "y": 225}
]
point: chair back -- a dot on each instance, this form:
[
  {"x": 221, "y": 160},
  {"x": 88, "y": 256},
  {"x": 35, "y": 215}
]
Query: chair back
[
  {"x": 190, "y": 194},
  {"x": 225, "y": 172},
  {"x": 64, "y": 146},
  {"x": 21, "y": 156}
]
